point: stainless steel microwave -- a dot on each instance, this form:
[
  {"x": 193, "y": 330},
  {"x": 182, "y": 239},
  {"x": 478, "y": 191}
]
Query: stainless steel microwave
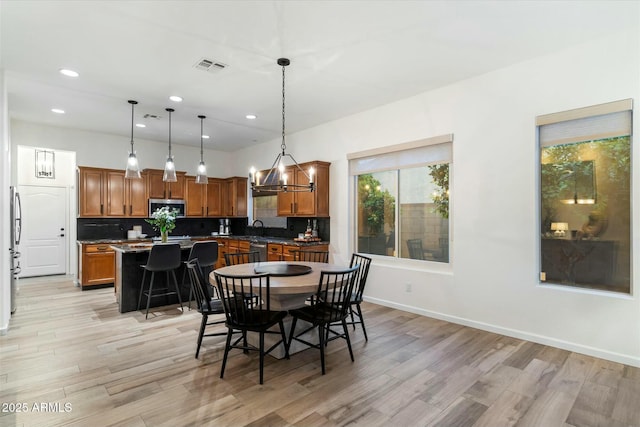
[{"x": 178, "y": 204}]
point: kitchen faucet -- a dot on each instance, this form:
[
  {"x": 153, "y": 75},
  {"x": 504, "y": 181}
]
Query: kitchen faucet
[{"x": 253, "y": 225}]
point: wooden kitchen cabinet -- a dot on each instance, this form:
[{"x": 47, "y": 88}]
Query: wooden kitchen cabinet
[
  {"x": 234, "y": 196},
  {"x": 91, "y": 189},
  {"x": 306, "y": 204},
  {"x": 97, "y": 265},
  {"x": 106, "y": 193},
  {"x": 214, "y": 197},
  {"x": 158, "y": 189},
  {"x": 281, "y": 252},
  {"x": 195, "y": 197}
]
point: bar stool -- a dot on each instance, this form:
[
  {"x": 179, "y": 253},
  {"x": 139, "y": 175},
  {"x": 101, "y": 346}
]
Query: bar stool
[
  {"x": 162, "y": 257},
  {"x": 207, "y": 255}
]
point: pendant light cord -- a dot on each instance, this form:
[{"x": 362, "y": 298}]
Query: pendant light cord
[
  {"x": 170, "y": 110},
  {"x": 133, "y": 103},
  {"x": 201, "y": 143}
]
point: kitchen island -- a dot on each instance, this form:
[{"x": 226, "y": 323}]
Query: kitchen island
[{"x": 129, "y": 257}]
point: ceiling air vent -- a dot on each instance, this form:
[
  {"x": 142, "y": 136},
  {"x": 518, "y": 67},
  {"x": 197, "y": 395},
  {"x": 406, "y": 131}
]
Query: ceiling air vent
[{"x": 210, "y": 65}]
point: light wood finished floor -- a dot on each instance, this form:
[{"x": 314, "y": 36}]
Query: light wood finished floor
[{"x": 68, "y": 347}]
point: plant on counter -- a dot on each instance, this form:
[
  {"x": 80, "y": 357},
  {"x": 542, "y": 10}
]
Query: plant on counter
[{"x": 164, "y": 221}]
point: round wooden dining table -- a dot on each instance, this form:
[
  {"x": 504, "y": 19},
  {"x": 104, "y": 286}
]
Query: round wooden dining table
[{"x": 287, "y": 291}]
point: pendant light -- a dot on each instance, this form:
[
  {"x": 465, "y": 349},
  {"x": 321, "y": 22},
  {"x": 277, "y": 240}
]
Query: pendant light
[
  {"x": 276, "y": 179},
  {"x": 169, "y": 167},
  {"x": 133, "y": 169},
  {"x": 201, "y": 174}
]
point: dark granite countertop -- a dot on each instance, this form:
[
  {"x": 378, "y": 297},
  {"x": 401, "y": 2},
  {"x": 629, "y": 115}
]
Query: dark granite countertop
[{"x": 260, "y": 239}]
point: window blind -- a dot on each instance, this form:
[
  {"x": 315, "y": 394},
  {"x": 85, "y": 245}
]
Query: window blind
[
  {"x": 407, "y": 155},
  {"x": 585, "y": 124}
]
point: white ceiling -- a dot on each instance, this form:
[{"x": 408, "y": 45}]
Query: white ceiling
[{"x": 346, "y": 57}]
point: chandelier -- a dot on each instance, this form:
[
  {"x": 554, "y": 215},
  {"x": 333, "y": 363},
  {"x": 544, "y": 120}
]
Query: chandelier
[{"x": 276, "y": 179}]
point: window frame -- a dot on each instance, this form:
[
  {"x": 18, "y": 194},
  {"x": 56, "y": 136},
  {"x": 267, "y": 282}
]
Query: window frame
[
  {"x": 397, "y": 150},
  {"x": 559, "y": 137}
]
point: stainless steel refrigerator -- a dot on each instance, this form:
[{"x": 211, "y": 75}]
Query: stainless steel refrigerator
[{"x": 14, "y": 254}]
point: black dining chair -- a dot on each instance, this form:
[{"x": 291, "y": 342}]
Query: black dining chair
[
  {"x": 310, "y": 256},
  {"x": 233, "y": 258},
  {"x": 206, "y": 303},
  {"x": 237, "y": 293},
  {"x": 330, "y": 304},
  {"x": 162, "y": 257},
  {"x": 207, "y": 255},
  {"x": 358, "y": 290}
]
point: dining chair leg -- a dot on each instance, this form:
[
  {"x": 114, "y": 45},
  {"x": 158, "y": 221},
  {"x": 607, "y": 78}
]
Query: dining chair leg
[
  {"x": 291, "y": 333},
  {"x": 321, "y": 345},
  {"x": 153, "y": 273},
  {"x": 353, "y": 321},
  {"x": 227, "y": 347},
  {"x": 346, "y": 336},
  {"x": 364, "y": 330},
  {"x": 261, "y": 356},
  {"x": 201, "y": 334},
  {"x": 284, "y": 340}
]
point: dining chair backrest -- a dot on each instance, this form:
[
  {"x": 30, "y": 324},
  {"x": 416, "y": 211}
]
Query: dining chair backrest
[
  {"x": 311, "y": 256},
  {"x": 245, "y": 298},
  {"x": 334, "y": 292},
  {"x": 205, "y": 252},
  {"x": 233, "y": 258},
  {"x": 361, "y": 276},
  {"x": 200, "y": 287},
  {"x": 163, "y": 257},
  {"x": 415, "y": 248}
]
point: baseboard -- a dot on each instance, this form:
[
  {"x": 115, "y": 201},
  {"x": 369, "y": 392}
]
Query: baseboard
[
  {"x": 4, "y": 329},
  {"x": 540, "y": 339}
]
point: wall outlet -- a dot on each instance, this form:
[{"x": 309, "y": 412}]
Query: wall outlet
[{"x": 407, "y": 287}]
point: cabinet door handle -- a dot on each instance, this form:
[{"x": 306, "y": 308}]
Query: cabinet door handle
[
  {"x": 124, "y": 209},
  {"x": 202, "y": 211},
  {"x": 291, "y": 207},
  {"x": 207, "y": 210},
  {"x": 102, "y": 248},
  {"x": 130, "y": 209},
  {"x": 101, "y": 209}
]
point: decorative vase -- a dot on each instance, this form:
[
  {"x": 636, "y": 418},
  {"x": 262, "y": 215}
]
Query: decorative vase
[{"x": 165, "y": 236}]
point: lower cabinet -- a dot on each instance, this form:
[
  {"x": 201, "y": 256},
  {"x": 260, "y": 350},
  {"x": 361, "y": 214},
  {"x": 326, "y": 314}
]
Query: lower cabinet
[
  {"x": 97, "y": 265},
  {"x": 280, "y": 252}
]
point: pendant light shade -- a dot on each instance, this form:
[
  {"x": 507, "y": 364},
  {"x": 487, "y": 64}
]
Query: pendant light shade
[
  {"x": 201, "y": 174},
  {"x": 169, "y": 167},
  {"x": 276, "y": 179},
  {"x": 133, "y": 169}
]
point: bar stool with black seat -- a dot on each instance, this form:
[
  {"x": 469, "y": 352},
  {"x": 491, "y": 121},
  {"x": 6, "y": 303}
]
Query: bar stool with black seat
[
  {"x": 233, "y": 258},
  {"x": 162, "y": 257},
  {"x": 310, "y": 256},
  {"x": 330, "y": 304},
  {"x": 207, "y": 255},
  {"x": 235, "y": 291},
  {"x": 206, "y": 303}
]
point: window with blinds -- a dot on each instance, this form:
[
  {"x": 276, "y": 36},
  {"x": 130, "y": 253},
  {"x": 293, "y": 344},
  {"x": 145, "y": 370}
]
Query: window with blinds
[
  {"x": 585, "y": 197},
  {"x": 401, "y": 203}
]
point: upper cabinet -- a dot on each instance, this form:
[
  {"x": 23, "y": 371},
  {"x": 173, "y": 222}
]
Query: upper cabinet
[
  {"x": 196, "y": 197},
  {"x": 234, "y": 196},
  {"x": 105, "y": 192},
  {"x": 158, "y": 189},
  {"x": 306, "y": 204}
]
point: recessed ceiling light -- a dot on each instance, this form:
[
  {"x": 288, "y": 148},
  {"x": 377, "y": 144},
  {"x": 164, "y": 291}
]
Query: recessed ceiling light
[
  {"x": 69, "y": 73},
  {"x": 205, "y": 136},
  {"x": 57, "y": 110},
  {"x": 251, "y": 116},
  {"x": 141, "y": 125},
  {"x": 175, "y": 98}
]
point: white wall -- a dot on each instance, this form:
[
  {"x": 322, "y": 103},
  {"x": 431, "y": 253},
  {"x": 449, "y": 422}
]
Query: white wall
[
  {"x": 111, "y": 151},
  {"x": 492, "y": 282}
]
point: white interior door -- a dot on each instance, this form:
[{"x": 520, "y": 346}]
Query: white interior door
[{"x": 43, "y": 246}]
